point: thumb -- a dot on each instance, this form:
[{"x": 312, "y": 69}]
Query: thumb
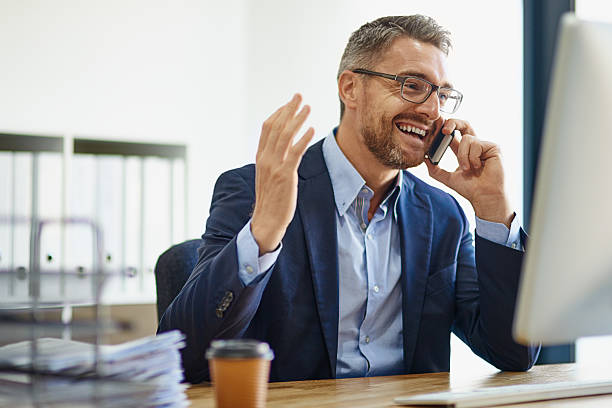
[{"x": 438, "y": 173}]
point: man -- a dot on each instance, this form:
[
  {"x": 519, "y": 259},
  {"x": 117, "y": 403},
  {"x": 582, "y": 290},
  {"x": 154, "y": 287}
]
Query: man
[{"x": 343, "y": 262}]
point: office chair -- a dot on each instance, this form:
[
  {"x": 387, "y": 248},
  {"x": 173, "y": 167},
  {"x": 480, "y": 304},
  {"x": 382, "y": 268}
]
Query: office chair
[{"x": 172, "y": 270}]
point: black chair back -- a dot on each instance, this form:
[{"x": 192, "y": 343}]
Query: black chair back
[{"x": 172, "y": 270}]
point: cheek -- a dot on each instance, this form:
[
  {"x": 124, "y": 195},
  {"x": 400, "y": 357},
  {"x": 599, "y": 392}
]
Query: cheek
[
  {"x": 397, "y": 106},
  {"x": 388, "y": 102}
]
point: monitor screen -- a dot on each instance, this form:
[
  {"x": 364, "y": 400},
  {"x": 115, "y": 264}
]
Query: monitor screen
[{"x": 566, "y": 283}]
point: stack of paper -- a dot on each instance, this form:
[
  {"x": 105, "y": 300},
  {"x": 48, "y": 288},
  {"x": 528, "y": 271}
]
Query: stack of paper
[
  {"x": 145, "y": 372},
  {"x": 19, "y": 391}
]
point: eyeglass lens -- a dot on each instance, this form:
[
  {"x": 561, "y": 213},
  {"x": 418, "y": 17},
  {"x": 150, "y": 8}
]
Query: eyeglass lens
[{"x": 416, "y": 90}]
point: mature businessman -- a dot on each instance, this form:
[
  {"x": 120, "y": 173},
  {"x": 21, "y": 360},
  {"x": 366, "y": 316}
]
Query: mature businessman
[{"x": 345, "y": 263}]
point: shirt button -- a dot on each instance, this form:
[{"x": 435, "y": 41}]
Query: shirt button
[
  {"x": 370, "y": 237},
  {"x": 514, "y": 245},
  {"x": 249, "y": 269},
  {"x": 363, "y": 226},
  {"x": 367, "y": 339},
  {"x": 376, "y": 288}
]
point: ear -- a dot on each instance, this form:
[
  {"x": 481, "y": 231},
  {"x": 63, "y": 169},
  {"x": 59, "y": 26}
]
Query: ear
[{"x": 348, "y": 87}]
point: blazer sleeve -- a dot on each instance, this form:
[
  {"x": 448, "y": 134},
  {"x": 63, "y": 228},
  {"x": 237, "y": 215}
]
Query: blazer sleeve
[
  {"x": 214, "y": 303},
  {"x": 485, "y": 302}
]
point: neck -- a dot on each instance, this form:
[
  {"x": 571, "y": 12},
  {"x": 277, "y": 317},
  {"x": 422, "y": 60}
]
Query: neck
[{"x": 377, "y": 176}]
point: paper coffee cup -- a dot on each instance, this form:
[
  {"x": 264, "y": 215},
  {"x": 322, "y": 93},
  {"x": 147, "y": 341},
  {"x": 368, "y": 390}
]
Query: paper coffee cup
[{"x": 239, "y": 371}]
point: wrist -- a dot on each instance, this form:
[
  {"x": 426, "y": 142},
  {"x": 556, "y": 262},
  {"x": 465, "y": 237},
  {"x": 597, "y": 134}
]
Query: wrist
[
  {"x": 266, "y": 237},
  {"x": 494, "y": 209}
]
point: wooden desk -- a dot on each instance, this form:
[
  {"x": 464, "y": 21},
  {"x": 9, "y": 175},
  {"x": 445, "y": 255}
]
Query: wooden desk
[{"x": 379, "y": 391}]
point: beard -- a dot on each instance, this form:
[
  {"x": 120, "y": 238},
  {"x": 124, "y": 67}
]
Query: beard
[{"x": 378, "y": 138}]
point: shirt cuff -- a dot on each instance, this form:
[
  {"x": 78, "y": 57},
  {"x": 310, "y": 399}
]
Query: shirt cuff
[
  {"x": 250, "y": 264},
  {"x": 499, "y": 233}
]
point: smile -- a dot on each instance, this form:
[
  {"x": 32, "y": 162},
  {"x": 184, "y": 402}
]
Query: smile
[{"x": 407, "y": 129}]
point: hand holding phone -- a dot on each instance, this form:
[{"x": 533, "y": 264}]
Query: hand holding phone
[
  {"x": 479, "y": 173},
  {"x": 439, "y": 146}
]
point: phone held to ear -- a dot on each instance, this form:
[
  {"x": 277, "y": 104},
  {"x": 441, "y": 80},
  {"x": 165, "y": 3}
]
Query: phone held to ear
[{"x": 439, "y": 146}]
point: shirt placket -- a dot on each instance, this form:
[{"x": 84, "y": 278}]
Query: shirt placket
[{"x": 369, "y": 230}]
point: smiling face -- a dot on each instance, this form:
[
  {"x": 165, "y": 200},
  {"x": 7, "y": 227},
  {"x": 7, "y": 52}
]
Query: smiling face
[{"x": 397, "y": 132}]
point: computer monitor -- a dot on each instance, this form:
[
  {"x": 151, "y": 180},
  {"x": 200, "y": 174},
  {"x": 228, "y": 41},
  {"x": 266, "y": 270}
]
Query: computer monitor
[{"x": 566, "y": 283}]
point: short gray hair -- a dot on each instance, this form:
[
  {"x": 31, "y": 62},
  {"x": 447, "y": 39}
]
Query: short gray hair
[{"x": 373, "y": 39}]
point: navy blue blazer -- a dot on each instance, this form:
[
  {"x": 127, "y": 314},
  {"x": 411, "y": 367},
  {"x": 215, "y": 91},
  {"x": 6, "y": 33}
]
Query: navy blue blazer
[{"x": 447, "y": 283}]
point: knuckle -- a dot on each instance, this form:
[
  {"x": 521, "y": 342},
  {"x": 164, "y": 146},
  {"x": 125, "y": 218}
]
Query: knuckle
[
  {"x": 277, "y": 125},
  {"x": 265, "y": 128}
]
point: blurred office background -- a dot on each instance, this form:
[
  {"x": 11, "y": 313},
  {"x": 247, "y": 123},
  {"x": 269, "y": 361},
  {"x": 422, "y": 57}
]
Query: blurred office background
[{"x": 205, "y": 75}]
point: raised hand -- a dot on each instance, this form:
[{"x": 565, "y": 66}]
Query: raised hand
[
  {"x": 480, "y": 175},
  {"x": 276, "y": 176}
]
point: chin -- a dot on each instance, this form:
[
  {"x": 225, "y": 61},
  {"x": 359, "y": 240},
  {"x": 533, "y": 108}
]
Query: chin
[
  {"x": 411, "y": 159},
  {"x": 402, "y": 164}
]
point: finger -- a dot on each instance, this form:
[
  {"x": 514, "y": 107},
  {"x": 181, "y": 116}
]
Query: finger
[
  {"x": 462, "y": 125},
  {"x": 467, "y": 128},
  {"x": 278, "y": 133},
  {"x": 299, "y": 148},
  {"x": 489, "y": 150},
  {"x": 475, "y": 154},
  {"x": 448, "y": 127},
  {"x": 292, "y": 128},
  {"x": 268, "y": 125},
  {"x": 438, "y": 173},
  {"x": 463, "y": 151},
  {"x": 265, "y": 130}
]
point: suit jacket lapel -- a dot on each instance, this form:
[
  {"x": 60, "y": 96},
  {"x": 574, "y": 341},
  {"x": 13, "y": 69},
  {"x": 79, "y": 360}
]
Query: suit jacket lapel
[
  {"x": 317, "y": 211},
  {"x": 416, "y": 228}
]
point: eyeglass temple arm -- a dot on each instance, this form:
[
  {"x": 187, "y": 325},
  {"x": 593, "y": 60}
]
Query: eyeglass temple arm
[{"x": 380, "y": 74}]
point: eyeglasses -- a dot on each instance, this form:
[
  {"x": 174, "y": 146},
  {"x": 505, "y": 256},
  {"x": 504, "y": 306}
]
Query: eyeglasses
[{"x": 418, "y": 90}]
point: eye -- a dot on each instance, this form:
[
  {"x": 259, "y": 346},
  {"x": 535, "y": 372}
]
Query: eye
[
  {"x": 445, "y": 94},
  {"x": 413, "y": 84}
]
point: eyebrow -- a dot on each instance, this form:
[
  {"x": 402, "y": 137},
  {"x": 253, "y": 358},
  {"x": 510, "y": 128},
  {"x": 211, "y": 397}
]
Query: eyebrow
[{"x": 422, "y": 76}]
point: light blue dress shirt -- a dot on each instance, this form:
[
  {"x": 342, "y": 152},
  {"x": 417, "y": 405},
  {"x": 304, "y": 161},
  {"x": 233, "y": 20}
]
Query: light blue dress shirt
[
  {"x": 370, "y": 340},
  {"x": 370, "y": 320}
]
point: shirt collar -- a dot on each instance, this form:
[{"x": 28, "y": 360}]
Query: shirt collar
[{"x": 346, "y": 180}]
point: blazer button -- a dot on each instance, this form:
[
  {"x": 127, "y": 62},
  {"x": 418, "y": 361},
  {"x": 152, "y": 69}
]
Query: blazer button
[{"x": 224, "y": 304}]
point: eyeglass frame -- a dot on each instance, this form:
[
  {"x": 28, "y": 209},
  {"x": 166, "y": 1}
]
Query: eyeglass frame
[{"x": 402, "y": 80}]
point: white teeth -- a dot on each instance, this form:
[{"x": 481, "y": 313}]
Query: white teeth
[{"x": 412, "y": 129}]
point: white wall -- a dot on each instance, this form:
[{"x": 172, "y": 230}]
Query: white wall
[
  {"x": 138, "y": 70},
  {"x": 597, "y": 10}
]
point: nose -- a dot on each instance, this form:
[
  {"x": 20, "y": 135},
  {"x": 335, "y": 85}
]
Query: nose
[{"x": 431, "y": 106}]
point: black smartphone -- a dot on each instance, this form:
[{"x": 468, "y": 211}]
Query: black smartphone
[{"x": 439, "y": 146}]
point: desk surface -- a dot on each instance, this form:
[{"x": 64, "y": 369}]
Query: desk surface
[{"x": 379, "y": 391}]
